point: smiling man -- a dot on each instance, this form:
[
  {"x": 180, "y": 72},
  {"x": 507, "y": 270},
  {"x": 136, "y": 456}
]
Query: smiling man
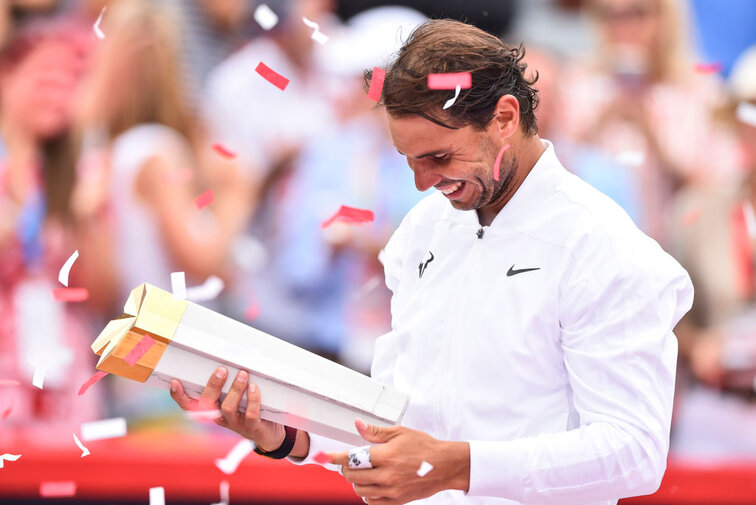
[{"x": 532, "y": 321}]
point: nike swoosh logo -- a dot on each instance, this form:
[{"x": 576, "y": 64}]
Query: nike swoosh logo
[{"x": 512, "y": 270}]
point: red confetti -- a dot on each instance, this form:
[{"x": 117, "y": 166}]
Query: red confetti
[
  {"x": 322, "y": 458},
  {"x": 708, "y": 68},
  {"x": 205, "y": 199},
  {"x": 9, "y": 382},
  {"x": 6, "y": 412},
  {"x": 139, "y": 350},
  {"x": 224, "y": 151},
  {"x": 91, "y": 381},
  {"x": 55, "y": 489},
  {"x": 71, "y": 294},
  {"x": 450, "y": 81},
  {"x": 497, "y": 163},
  {"x": 251, "y": 312},
  {"x": 350, "y": 215},
  {"x": 376, "y": 83},
  {"x": 272, "y": 76},
  {"x": 691, "y": 217}
]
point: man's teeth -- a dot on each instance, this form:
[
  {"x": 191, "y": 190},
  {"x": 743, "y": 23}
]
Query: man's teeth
[{"x": 452, "y": 189}]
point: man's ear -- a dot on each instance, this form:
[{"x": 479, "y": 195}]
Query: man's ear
[{"x": 507, "y": 116}]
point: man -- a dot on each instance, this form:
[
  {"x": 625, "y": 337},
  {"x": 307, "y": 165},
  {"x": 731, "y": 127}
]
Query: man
[{"x": 532, "y": 321}]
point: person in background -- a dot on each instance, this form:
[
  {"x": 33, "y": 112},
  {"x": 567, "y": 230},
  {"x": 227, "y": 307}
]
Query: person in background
[
  {"x": 715, "y": 237},
  {"x": 636, "y": 117},
  {"x": 144, "y": 163},
  {"x": 40, "y": 69}
]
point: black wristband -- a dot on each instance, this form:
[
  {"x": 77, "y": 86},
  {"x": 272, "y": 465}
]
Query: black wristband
[{"x": 286, "y": 446}]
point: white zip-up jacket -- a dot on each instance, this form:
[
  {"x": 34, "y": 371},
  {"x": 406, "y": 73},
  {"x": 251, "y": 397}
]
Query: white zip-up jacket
[{"x": 545, "y": 340}]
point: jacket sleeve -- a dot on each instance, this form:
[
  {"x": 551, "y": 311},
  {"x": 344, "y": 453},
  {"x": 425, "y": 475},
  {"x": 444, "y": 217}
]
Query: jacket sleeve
[{"x": 617, "y": 312}]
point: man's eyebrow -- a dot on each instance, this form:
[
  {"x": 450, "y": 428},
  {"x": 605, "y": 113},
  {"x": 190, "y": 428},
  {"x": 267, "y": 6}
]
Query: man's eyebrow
[{"x": 434, "y": 153}]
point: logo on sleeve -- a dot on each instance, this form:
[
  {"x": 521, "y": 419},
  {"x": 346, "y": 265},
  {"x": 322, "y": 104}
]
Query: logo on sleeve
[
  {"x": 424, "y": 264},
  {"x": 512, "y": 270}
]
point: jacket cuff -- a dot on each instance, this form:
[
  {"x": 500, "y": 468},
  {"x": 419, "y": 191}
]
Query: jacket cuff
[{"x": 498, "y": 469}]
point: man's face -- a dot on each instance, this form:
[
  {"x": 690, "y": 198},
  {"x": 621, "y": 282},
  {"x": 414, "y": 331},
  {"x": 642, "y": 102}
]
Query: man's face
[{"x": 459, "y": 163}]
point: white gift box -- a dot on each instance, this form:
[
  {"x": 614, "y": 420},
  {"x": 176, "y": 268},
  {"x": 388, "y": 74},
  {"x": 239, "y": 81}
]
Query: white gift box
[{"x": 298, "y": 388}]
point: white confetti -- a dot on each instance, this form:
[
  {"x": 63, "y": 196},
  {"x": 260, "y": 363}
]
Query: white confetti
[
  {"x": 318, "y": 36},
  {"x": 265, "y": 17},
  {"x": 96, "y": 26},
  {"x": 630, "y": 158},
  {"x": 178, "y": 285},
  {"x": 425, "y": 467},
  {"x": 453, "y": 99},
  {"x": 39, "y": 377},
  {"x": 746, "y": 113},
  {"x": 84, "y": 450},
  {"x": 230, "y": 463},
  {"x": 157, "y": 496},
  {"x": 8, "y": 457},
  {"x": 66, "y": 268},
  {"x": 209, "y": 290},
  {"x": 224, "y": 499},
  {"x": 106, "y": 428},
  {"x": 204, "y": 415}
]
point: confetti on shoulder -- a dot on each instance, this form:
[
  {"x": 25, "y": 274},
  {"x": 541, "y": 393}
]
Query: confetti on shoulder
[
  {"x": 205, "y": 199},
  {"x": 376, "y": 84},
  {"x": 224, "y": 151},
  {"x": 91, "y": 381},
  {"x": 272, "y": 76},
  {"x": 350, "y": 215},
  {"x": 71, "y": 294},
  {"x": 66, "y": 268},
  {"x": 450, "y": 80}
]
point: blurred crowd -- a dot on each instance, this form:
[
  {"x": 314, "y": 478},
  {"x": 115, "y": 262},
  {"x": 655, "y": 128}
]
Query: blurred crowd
[{"x": 116, "y": 115}]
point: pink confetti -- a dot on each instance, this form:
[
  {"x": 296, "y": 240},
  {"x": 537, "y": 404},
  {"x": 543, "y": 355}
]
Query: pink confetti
[
  {"x": 205, "y": 199},
  {"x": 71, "y": 294},
  {"x": 252, "y": 311},
  {"x": 376, "y": 84},
  {"x": 139, "y": 350},
  {"x": 497, "y": 163},
  {"x": 322, "y": 458},
  {"x": 57, "y": 489},
  {"x": 272, "y": 76},
  {"x": 708, "y": 68},
  {"x": 91, "y": 381},
  {"x": 450, "y": 81},
  {"x": 9, "y": 382},
  {"x": 224, "y": 151},
  {"x": 178, "y": 177},
  {"x": 350, "y": 215},
  {"x": 204, "y": 415},
  {"x": 7, "y": 412}
]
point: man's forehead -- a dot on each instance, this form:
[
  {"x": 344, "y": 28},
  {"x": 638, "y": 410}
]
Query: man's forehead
[{"x": 416, "y": 136}]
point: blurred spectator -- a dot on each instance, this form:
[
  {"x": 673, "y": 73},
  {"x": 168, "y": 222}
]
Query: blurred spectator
[
  {"x": 715, "y": 240},
  {"x": 145, "y": 162},
  {"x": 636, "y": 118},
  {"x": 39, "y": 71}
]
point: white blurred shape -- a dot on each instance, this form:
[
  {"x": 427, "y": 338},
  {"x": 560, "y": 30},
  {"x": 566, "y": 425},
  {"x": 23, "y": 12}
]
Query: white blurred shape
[
  {"x": 106, "y": 428},
  {"x": 265, "y": 17},
  {"x": 233, "y": 459},
  {"x": 208, "y": 290},
  {"x": 66, "y": 268}
]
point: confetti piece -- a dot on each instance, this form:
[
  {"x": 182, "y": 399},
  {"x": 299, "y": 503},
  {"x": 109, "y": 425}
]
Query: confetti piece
[
  {"x": 92, "y": 380},
  {"x": 425, "y": 467},
  {"x": 366, "y": 288},
  {"x": 71, "y": 294},
  {"x": 349, "y": 215},
  {"x": 230, "y": 463},
  {"x": 497, "y": 162},
  {"x": 84, "y": 450},
  {"x": 39, "y": 377},
  {"x": 204, "y": 415},
  {"x": 708, "y": 68},
  {"x": 746, "y": 113},
  {"x": 272, "y": 76},
  {"x": 66, "y": 268},
  {"x": 224, "y": 488},
  {"x": 630, "y": 158},
  {"x": 96, "y": 26},
  {"x": 5, "y": 415},
  {"x": 8, "y": 457},
  {"x": 265, "y": 17},
  {"x": 106, "y": 428},
  {"x": 318, "y": 36},
  {"x": 178, "y": 176},
  {"x": 252, "y": 311},
  {"x": 157, "y": 496},
  {"x": 322, "y": 458},
  {"x": 691, "y": 217},
  {"x": 178, "y": 285},
  {"x": 139, "y": 350},
  {"x": 205, "y": 199},
  {"x": 208, "y": 290},
  {"x": 450, "y": 81},
  {"x": 57, "y": 489},
  {"x": 9, "y": 382},
  {"x": 376, "y": 84},
  {"x": 453, "y": 99},
  {"x": 224, "y": 151}
]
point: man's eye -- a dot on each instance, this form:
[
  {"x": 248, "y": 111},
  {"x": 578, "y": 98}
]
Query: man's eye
[{"x": 441, "y": 157}]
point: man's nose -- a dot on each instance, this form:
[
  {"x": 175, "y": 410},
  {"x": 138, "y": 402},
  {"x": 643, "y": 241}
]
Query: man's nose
[{"x": 425, "y": 178}]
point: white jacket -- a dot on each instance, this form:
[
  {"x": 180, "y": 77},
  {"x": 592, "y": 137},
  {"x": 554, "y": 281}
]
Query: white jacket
[{"x": 546, "y": 343}]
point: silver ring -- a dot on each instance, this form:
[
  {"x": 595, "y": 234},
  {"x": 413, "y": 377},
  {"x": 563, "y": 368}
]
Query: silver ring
[{"x": 359, "y": 457}]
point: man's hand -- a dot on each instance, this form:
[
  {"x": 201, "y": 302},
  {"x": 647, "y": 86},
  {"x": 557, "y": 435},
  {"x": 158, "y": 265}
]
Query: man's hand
[
  {"x": 267, "y": 435},
  {"x": 396, "y": 459}
]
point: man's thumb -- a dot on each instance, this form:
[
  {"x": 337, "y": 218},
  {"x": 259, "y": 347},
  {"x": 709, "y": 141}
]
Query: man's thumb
[{"x": 373, "y": 434}]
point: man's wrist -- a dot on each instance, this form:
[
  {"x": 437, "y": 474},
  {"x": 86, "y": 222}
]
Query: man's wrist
[
  {"x": 301, "y": 446},
  {"x": 458, "y": 457}
]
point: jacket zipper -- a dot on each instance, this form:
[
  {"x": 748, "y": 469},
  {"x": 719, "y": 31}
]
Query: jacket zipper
[{"x": 450, "y": 331}]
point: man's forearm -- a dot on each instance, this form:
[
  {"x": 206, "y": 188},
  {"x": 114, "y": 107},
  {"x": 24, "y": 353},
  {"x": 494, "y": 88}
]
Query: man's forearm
[{"x": 301, "y": 446}]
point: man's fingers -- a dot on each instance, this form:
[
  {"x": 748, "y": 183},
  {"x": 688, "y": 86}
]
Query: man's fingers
[
  {"x": 230, "y": 405},
  {"x": 369, "y": 492},
  {"x": 253, "y": 403},
  {"x": 212, "y": 391},
  {"x": 180, "y": 397},
  {"x": 340, "y": 458},
  {"x": 365, "y": 476}
]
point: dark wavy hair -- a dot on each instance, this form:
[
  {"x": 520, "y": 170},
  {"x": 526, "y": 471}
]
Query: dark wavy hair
[{"x": 445, "y": 46}]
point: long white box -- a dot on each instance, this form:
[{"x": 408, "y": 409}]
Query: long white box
[{"x": 298, "y": 388}]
